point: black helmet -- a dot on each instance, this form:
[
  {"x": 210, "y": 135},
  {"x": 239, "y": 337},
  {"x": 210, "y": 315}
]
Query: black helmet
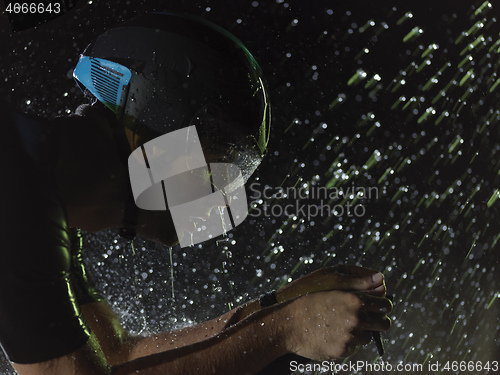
[{"x": 163, "y": 71}]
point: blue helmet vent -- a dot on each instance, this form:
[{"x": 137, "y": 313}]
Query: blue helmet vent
[
  {"x": 107, "y": 83},
  {"x": 105, "y": 79}
]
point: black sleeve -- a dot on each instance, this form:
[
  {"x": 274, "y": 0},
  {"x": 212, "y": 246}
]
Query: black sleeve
[
  {"x": 40, "y": 318},
  {"x": 83, "y": 285}
]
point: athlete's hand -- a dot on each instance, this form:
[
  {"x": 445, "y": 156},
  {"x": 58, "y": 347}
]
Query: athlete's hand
[
  {"x": 331, "y": 311},
  {"x": 341, "y": 277},
  {"x": 329, "y": 325}
]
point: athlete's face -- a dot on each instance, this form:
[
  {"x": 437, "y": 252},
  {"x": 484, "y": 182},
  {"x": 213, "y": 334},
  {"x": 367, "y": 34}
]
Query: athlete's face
[
  {"x": 159, "y": 225},
  {"x": 189, "y": 196}
]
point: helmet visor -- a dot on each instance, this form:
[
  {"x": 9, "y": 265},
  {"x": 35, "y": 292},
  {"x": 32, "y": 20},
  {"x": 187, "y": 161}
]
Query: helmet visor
[{"x": 223, "y": 142}]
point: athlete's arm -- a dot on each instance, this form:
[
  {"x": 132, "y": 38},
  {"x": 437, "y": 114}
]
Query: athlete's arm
[
  {"x": 244, "y": 348},
  {"x": 345, "y": 278},
  {"x": 320, "y": 325},
  {"x": 248, "y": 338}
]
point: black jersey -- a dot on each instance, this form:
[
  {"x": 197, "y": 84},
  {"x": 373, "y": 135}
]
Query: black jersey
[{"x": 40, "y": 317}]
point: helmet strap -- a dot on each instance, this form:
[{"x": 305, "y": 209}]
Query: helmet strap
[{"x": 128, "y": 230}]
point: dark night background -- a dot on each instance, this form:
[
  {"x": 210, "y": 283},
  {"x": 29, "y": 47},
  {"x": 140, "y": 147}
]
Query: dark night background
[{"x": 400, "y": 96}]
